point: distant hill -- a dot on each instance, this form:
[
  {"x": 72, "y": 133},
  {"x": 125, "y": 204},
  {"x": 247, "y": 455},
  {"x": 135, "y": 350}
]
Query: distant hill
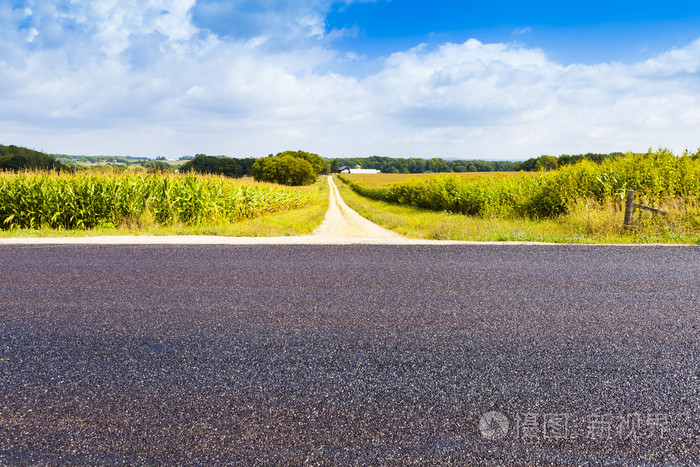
[
  {"x": 17, "y": 158},
  {"x": 125, "y": 160}
]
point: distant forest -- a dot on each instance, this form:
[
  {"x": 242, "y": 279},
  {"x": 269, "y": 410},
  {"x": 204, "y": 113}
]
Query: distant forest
[
  {"x": 16, "y": 158},
  {"x": 436, "y": 165},
  {"x": 127, "y": 160},
  {"x": 229, "y": 166},
  {"x": 236, "y": 167},
  {"x": 418, "y": 165},
  {"x": 157, "y": 165}
]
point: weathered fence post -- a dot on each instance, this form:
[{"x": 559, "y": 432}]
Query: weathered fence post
[{"x": 629, "y": 208}]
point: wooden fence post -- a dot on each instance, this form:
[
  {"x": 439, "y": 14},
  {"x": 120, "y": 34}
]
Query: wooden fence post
[{"x": 629, "y": 208}]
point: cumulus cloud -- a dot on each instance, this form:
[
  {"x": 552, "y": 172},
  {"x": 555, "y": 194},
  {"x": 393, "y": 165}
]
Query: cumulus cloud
[
  {"x": 506, "y": 99},
  {"x": 157, "y": 77}
]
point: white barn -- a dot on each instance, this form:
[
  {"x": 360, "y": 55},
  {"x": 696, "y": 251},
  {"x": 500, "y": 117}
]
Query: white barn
[{"x": 356, "y": 170}]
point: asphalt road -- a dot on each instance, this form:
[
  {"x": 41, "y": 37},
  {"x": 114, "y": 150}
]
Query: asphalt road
[{"x": 358, "y": 354}]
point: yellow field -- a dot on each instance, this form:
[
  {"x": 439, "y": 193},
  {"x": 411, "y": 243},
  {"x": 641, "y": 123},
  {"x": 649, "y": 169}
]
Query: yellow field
[{"x": 385, "y": 180}]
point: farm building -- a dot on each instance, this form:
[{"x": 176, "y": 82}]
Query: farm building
[{"x": 356, "y": 170}]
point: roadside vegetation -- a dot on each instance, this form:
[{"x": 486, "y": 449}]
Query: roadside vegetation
[
  {"x": 122, "y": 202},
  {"x": 582, "y": 202}
]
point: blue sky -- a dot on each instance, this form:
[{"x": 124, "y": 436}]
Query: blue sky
[
  {"x": 572, "y": 32},
  {"x": 494, "y": 80}
]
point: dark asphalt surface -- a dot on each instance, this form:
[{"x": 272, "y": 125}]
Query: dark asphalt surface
[{"x": 362, "y": 355}]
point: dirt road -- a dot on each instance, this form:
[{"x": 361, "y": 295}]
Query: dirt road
[{"x": 343, "y": 222}]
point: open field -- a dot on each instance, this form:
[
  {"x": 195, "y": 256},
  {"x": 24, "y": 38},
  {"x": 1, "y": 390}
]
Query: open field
[
  {"x": 383, "y": 180},
  {"x": 579, "y": 203},
  {"x": 116, "y": 203}
]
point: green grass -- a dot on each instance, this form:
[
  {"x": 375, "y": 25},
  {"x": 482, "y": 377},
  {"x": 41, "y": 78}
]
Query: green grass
[{"x": 589, "y": 223}]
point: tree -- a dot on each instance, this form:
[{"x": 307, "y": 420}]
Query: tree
[
  {"x": 314, "y": 159},
  {"x": 285, "y": 170},
  {"x": 228, "y": 166},
  {"x": 156, "y": 166},
  {"x": 16, "y": 158},
  {"x": 545, "y": 162},
  {"x": 529, "y": 165},
  {"x": 334, "y": 166},
  {"x": 566, "y": 159},
  {"x": 203, "y": 164}
]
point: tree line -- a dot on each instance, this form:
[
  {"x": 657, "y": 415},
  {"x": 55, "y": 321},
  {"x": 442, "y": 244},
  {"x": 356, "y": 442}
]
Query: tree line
[
  {"x": 17, "y": 158},
  {"x": 418, "y": 165},
  {"x": 438, "y": 165},
  {"x": 286, "y": 168},
  {"x": 292, "y": 167},
  {"x": 546, "y": 162},
  {"x": 222, "y": 165}
]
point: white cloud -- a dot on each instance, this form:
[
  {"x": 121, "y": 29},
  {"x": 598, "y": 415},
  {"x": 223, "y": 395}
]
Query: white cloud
[
  {"x": 509, "y": 100},
  {"x": 283, "y": 22},
  {"x": 139, "y": 77},
  {"x": 521, "y": 31}
]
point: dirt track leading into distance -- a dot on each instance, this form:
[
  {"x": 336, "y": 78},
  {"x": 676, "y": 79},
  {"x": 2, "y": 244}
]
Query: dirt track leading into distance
[{"x": 343, "y": 222}]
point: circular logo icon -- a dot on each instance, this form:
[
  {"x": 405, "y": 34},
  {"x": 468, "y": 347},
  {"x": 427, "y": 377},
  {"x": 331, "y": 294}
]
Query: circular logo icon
[{"x": 494, "y": 425}]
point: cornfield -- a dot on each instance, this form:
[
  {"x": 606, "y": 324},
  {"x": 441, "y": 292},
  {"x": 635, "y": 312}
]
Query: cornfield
[
  {"x": 657, "y": 177},
  {"x": 85, "y": 200}
]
